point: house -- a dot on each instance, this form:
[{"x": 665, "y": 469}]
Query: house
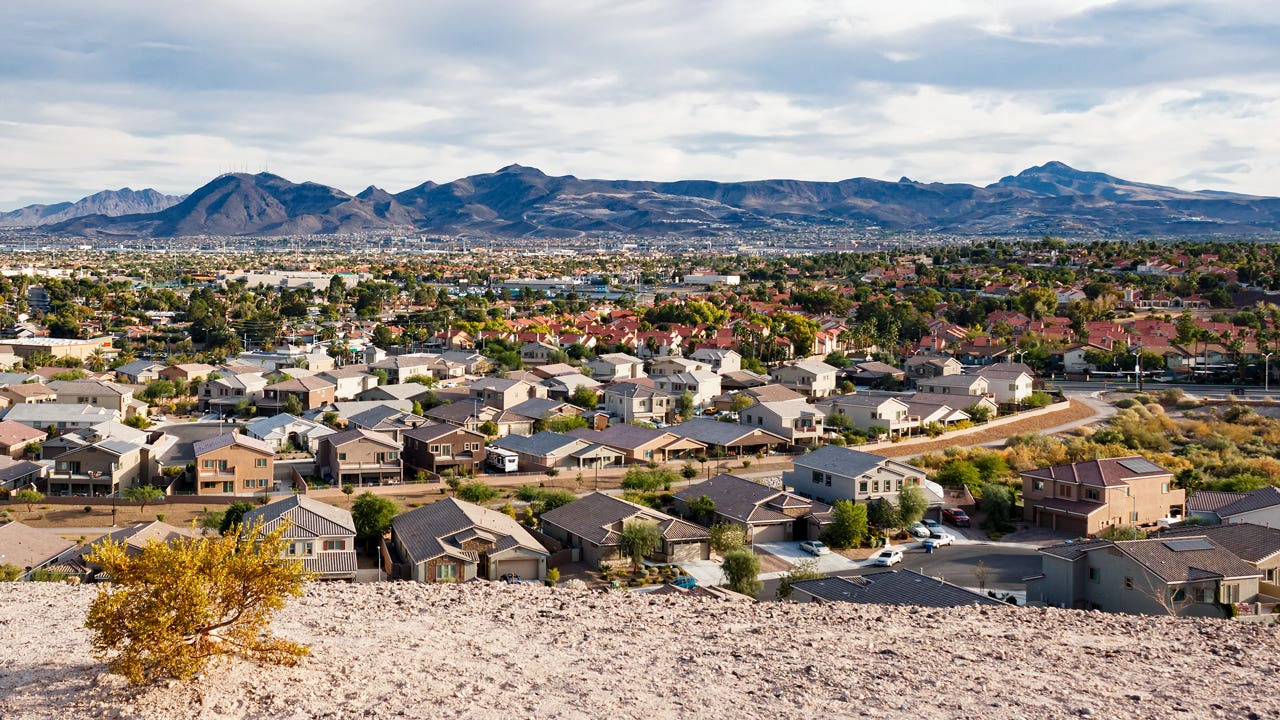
[
  {"x": 186, "y": 372},
  {"x": 1258, "y": 545},
  {"x": 811, "y": 378},
  {"x": 612, "y": 367},
  {"x": 359, "y": 457},
  {"x": 639, "y": 401},
  {"x": 833, "y": 473},
  {"x": 407, "y": 392},
  {"x": 286, "y": 431},
  {"x": 766, "y": 514},
  {"x": 502, "y": 393},
  {"x": 795, "y": 419},
  {"x": 224, "y": 394},
  {"x": 28, "y": 394},
  {"x": 539, "y": 353},
  {"x": 742, "y": 379},
  {"x": 31, "y": 548},
  {"x": 322, "y": 536},
  {"x": 1088, "y": 497},
  {"x": 472, "y": 415},
  {"x": 889, "y": 587},
  {"x": 436, "y": 448},
  {"x": 98, "y": 469},
  {"x": 674, "y": 365},
  {"x": 348, "y": 382},
  {"x": 725, "y": 438},
  {"x": 1261, "y": 506},
  {"x": 456, "y": 541},
  {"x": 134, "y": 539},
  {"x": 642, "y": 444},
  {"x": 402, "y": 367},
  {"x": 17, "y": 474},
  {"x": 934, "y": 414},
  {"x": 545, "y": 450},
  {"x": 233, "y": 464},
  {"x": 60, "y": 417},
  {"x": 973, "y": 385},
  {"x": 701, "y": 384},
  {"x": 887, "y": 414},
  {"x": 562, "y": 387},
  {"x": 98, "y": 393},
  {"x": 544, "y": 409},
  {"x": 718, "y": 360},
  {"x": 311, "y": 393},
  {"x": 139, "y": 372},
  {"x": 386, "y": 420},
  {"x": 14, "y": 438},
  {"x": 1008, "y": 387},
  {"x": 966, "y": 403},
  {"x": 932, "y": 366},
  {"x": 1189, "y": 575},
  {"x": 550, "y": 370},
  {"x": 594, "y": 525},
  {"x": 876, "y": 374}
]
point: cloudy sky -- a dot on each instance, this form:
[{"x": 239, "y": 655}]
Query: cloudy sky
[{"x": 169, "y": 94}]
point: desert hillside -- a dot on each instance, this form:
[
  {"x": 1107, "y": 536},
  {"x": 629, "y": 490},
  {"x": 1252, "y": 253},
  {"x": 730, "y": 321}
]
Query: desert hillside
[{"x": 490, "y": 651}]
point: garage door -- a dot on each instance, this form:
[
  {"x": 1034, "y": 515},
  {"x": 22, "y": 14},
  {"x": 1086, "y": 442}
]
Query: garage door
[
  {"x": 526, "y": 569},
  {"x": 685, "y": 552},
  {"x": 773, "y": 533}
]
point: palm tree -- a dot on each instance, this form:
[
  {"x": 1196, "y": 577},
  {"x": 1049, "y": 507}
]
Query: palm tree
[{"x": 638, "y": 540}]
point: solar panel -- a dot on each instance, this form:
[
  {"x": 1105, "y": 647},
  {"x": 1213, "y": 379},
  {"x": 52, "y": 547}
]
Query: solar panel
[
  {"x": 1141, "y": 466},
  {"x": 1191, "y": 544}
]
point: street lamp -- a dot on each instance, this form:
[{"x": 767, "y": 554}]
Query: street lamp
[
  {"x": 1137, "y": 366},
  {"x": 1266, "y": 371}
]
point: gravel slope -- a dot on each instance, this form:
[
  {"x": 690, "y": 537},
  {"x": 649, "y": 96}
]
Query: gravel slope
[{"x": 491, "y": 651}]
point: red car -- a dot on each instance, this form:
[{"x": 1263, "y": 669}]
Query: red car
[{"x": 956, "y": 517}]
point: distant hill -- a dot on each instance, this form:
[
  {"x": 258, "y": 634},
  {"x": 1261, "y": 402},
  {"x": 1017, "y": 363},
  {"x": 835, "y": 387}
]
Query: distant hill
[
  {"x": 110, "y": 203},
  {"x": 519, "y": 201}
]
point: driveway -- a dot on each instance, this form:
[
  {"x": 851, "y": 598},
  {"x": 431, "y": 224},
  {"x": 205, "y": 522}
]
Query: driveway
[
  {"x": 706, "y": 572},
  {"x": 792, "y": 554}
]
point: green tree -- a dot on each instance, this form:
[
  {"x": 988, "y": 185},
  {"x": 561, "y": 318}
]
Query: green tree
[
  {"x": 997, "y": 503},
  {"x": 848, "y": 525},
  {"x": 552, "y": 499},
  {"x": 156, "y": 390},
  {"x": 174, "y": 605},
  {"x": 476, "y": 492},
  {"x": 803, "y": 570},
  {"x": 957, "y": 473},
  {"x": 292, "y": 405},
  {"x": 741, "y": 402},
  {"x": 742, "y": 572},
  {"x": 10, "y": 572},
  {"x": 685, "y": 405},
  {"x": 990, "y": 466},
  {"x": 142, "y": 494},
  {"x": 978, "y": 413},
  {"x": 883, "y": 514},
  {"x": 233, "y": 516},
  {"x": 28, "y": 497},
  {"x": 645, "y": 480},
  {"x": 688, "y": 472},
  {"x": 912, "y": 505},
  {"x": 565, "y": 423},
  {"x": 372, "y": 516},
  {"x": 727, "y": 537},
  {"x": 638, "y": 539},
  {"x": 702, "y": 507},
  {"x": 489, "y": 428},
  {"x": 585, "y": 397}
]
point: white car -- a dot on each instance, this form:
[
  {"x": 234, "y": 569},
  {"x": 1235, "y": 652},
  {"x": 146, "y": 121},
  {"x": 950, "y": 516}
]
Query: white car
[
  {"x": 887, "y": 557},
  {"x": 813, "y": 547},
  {"x": 919, "y": 530},
  {"x": 931, "y": 524},
  {"x": 938, "y": 539}
]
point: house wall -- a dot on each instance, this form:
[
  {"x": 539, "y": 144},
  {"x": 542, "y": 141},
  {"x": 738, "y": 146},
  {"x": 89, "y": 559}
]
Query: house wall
[
  {"x": 1266, "y": 516},
  {"x": 243, "y": 471},
  {"x": 1109, "y": 594}
]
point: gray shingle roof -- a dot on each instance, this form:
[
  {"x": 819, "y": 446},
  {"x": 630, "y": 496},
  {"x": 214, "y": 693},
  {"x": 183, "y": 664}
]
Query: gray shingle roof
[
  {"x": 1073, "y": 551},
  {"x": 1187, "y": 565},
  {"x": 598, "y": 519},
  {"x": 714, "y": 432},
  {"x": 743, "y": 500},
  {"x": 25, "y": 546},
  {"x": 892, "y": 587},
  {"x": 310, "y": 518},
  {"x": 342, "y": 438},
  {"x": 1253, "y": 500},
  {"x": 439, "y": 528},
  {"x": 624, "y": 436},
  {"x": 218, "y": 442},
  {"x": 538, "y": 407},
  {"x": 841, "y": 461},
  {"x": 1247, "y": 541},
  {"x": 1106, "y": 472},
  {"x": 542, "y": 444},
  {"x": 1211, "y": 500}
]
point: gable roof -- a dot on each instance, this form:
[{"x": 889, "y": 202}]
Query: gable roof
[
  {"x": 540, "y": 444},
  {"x": 746, "y": 501},
  {"x": 439, "y": 529},
  {"x": 1259, "y": 499},
  {"x": 714, "y": 432},
  {"x": 350, "y": 436},
  {"x": 1181, "y": 566},
  {"x": 217, "y": 442},
  {"x": 1247, "y": 541},
  {"x": 27, "y": 547},
  {"x": 12, "y": 433},
  {"x": 892, "y": 587},
  {"x": 623, "y": 436},
  {"x": 598, "y": 519},
  {"x": 841, "y": 461},
  {"x": 309, "y": 518},
  {"x": 427, "y": 433}
]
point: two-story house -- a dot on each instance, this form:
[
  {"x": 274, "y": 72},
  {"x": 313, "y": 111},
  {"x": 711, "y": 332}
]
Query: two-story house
[
  {"x": 874, "y": 413},
  {"x": 766, "y": 514},
  {"x": 639, "y": 401},
  {"x": 222, "y": 395},
  {"x": 285, "y": 431},
  {"x": 611, "y": 367},
  {"x": 436, "y": 448},
  {"x": 503, "y": 393},
  {"x": 795, "y": 419},
  {"x": 1089, "y": 497},
  {"x": 312, "y": 392},
  {"x": 322, "y": 536},
  {"x": 1009, "y": 386},
  {"x": 98, "y": 469},
  {"x": 348, "y": 382},
  {"x": 674, "y": 365},
  {"x": 702, "y": 384},
  {"x": 833, "y": 473},
  {"x": 811, "y": 378},
  {"x": 233, "y": 464},
  {"x": 926, "y": 367},
  {"x": 973, "y": 385},
  {"x": 456, "y": 541},
  {"x": 594, "y": 524},
  {"x": 359, "y": 457},
  {"x": 538, "y": 353},
  {"x": 718, "y": 360},
  {"x": 98, "y": 393}
]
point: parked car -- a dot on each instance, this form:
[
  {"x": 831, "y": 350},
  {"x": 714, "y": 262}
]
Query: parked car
[
  {"x": 938, "y": 539},
  {"x": 813, "y": 547},
  {"x": 685, "y": 581},
  {"x": 919, "y": 530},
  {"x": 511, "y": 578},
  {"x": 956, "y": 517},
  {"x": 887, "y": 557},
  {"x": 931, "y": 524}
]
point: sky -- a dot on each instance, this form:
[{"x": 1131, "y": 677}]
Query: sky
[{"x": 169, "y": 94}]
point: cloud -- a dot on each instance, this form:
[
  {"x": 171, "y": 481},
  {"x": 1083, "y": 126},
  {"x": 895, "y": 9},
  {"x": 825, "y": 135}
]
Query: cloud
[{"x": 395, "y": 93}]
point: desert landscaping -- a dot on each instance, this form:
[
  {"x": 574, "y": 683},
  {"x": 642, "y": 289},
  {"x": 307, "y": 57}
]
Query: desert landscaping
[{"x": 483, "y": 650}]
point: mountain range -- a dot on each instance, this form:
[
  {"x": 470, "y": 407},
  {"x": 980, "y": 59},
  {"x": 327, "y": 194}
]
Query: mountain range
[
  {"x": 108, "y": 203},
  {"x": 519, "y": 201}
]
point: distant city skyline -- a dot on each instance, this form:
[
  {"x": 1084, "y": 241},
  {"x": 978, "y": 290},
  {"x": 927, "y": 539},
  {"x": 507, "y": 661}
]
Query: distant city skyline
[{"x": 151, "y": 94}]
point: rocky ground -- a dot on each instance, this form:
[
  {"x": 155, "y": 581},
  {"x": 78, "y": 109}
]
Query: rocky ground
[{"x": 499, "y": 651}]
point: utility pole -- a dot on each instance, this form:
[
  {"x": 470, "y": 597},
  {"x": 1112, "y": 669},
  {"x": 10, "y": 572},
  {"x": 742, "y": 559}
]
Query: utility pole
[{"x": 1266, "y": 372}]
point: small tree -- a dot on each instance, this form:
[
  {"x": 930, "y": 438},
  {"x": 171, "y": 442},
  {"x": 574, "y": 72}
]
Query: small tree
[
  {"x": 489, "y": 428},
  {"x": 143, "y": 494},
  {"x": 292, "y": 405},
  {"x": 552, "y": 499},
  {"x": 726, "y": 537},
  {"x": 233, "y": 516},
  {"x": 585, "y": 397},
  {"x": 477, "y": 492},
  {"x": 565, "y": 423},
  {"x": 702, "y": 507},
  {"x": 32, "y": 450},
  {"x": 174, "y": 605},
  {"x": 978, "y": 413},
  {"x": 348, "y": 489},
  {"x": 883, "y": 514},
  {"x": 638, "y": 540},
  {"x": 912, "y": 505},
  {"x": 848, "y": 525},
  {"x": 28, "y": 497},
  {"x": 688, "y": 472},
  {"x": 372, "y": 516},
  {"x": 742, "y": 572},
  {"x": 686, "y": 405},
  {"x": 997, "y": 503},
  {"x": 803, "y": 570}
]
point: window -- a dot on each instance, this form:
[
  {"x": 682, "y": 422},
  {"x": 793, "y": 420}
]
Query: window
[
  {"x": 1164, "y": 487},
  {"x": 433, "y": 449},
  {"x": 1095, "y": 575},
  {"x": 446, "y": 573},
  {"x": 208, "y": 464},
  {"x": 1179, "y": 595},
  {"x": 260, "y": 462},
  {"x": 1038, "y": 484},
  {"x": 862, "y": 486},
  {"x": 335, "y": 544},
  {"x": 817, "y": 477},
  {"x": 1133, "y": 516},
  {"x": 342, "y": 456},
  {"x": 875, "y": 486},
  {"x": 1091, "y": 494},
  {"x": 222, "y": 465}
]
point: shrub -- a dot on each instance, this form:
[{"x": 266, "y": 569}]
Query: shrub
[
  {"x": 552, "y": 499},
  {"x": 648, "y": 480},
  {"x": 28, "y": 497},
  {"x": 553, "y": 577},
  {"x": 10, "y": 572},
  {"x": 88, "y": 509},
  {"x": 803, "y": 570},
  {"x": 726, "y": 538},
  {"x": 477, "y": 492},
  {"x": 741, "y": 569},
  {"x": 848, "y": 526},
  {"x": 348, "y": 489},
  {"x": 174, "y": 606}
]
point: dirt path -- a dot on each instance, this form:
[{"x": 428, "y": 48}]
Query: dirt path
[{"x": 1077, "y": 412}]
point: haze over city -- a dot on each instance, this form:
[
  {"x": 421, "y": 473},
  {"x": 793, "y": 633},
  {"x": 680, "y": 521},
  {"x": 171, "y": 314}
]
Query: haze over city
[{"x": 153, "y": 95}]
